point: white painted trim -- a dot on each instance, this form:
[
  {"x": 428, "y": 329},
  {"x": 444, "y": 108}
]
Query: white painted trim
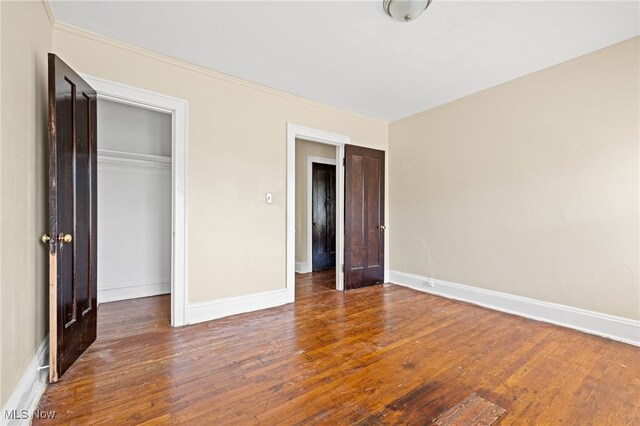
[
  {"x": 132, "y": 291},
  {"x": 298, "y": 132},
  {"x": 47, "y": 8},
  {"x": 206, "y": 311},
  {"x": 179, "y": 110},
  {"x": 303, "y": 267},
  {"x": 121, "y": 157},
  {"x": 310, "y": 160},
  {"x": 134, "y": 164},
  {"x": 609, "y": 326},
  {"x": 26, "y": 395}
]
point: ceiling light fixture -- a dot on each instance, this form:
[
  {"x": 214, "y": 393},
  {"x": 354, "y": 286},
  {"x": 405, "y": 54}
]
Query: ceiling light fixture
[{"x": 405, "y": 10}]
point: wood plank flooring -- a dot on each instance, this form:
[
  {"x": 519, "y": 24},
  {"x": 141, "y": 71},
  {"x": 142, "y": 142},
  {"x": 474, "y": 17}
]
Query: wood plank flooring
[{"x": 378, "y": 355}]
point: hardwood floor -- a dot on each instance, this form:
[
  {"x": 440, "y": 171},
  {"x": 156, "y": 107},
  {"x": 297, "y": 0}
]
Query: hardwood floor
[{"x": 377, "y": 355}]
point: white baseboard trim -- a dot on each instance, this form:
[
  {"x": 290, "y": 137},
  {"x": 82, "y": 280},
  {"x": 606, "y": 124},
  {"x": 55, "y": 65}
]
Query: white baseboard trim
[
  {"x": 24, "y": 400},
  {"x": 113, "y": 294},
  {"x": 303, "y": 267},
  {"x": 609, "y": 326},
  {"x": 206, "y": 311}
]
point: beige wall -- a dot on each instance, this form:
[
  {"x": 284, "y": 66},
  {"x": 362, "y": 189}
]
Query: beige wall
[
  {"x": 530, "y": 187},
  {"x": 26, "y": 38},
  {"x": 303, "y": 150},
  {"x": 236, "y": 154},
  {"x": 2, "y": 394}
]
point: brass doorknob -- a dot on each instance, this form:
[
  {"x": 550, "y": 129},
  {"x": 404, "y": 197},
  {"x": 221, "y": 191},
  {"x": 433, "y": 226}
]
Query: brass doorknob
[
  {"x": 382, "y": 227},
  {"x": 65, "y": 238},
  {"x": 45, "y": 238}
]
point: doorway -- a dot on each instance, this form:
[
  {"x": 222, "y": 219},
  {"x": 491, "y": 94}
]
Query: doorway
[
  {"x": 72, "y": 235},
  {"x": 367, "y": 183},
  {"x": 134, "y": 202},
  {"x": 316, "y": 217},
  {"x": 177, "y": 110},
  {"x": 335, "y": 144},
  {"x": 315, "y": 208}
]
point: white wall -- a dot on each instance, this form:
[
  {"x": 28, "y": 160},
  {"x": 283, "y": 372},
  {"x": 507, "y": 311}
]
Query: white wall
[
  {"x": 131, "y": 129},
  {"x": 134, "y": 202}
]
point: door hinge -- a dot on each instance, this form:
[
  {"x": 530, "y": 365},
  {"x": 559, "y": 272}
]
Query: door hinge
[
  {"x": 343, "y": 268},
  {"x": 344, "y": 162}
]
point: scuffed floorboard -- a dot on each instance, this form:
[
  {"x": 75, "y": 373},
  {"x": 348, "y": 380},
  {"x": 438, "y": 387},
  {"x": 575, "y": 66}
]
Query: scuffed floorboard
[{"x": 474, "y": 410}]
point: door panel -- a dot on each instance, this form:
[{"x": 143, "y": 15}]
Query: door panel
[
  {"x": 355, "y": 211},
  {"x": 373, "y": 212},
  {"x": 364, "y": 217},
  {"x": 323, "y": 216},
  {"x": 72, "y": 216},
  {"x": 83, "y": 180}
]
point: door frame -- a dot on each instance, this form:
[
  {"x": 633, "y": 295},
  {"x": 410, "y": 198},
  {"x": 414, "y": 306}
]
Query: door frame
[
  {"x": 179, "y": 110},
  {"x": 313, "y": 135},
  {"x": 321, "y": 160}
]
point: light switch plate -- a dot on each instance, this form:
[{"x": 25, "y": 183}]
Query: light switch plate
[{"x": 269, "y": 198}]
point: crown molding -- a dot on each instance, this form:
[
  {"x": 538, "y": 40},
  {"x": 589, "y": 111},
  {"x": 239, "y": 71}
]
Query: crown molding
[
  {"x": 47, "y": 8},
  {"x": 60, "y": 26}
]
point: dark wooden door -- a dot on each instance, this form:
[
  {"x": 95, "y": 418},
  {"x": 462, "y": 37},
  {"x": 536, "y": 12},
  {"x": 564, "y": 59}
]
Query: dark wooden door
[
  {"x": 323, "y": 216},
  {"x": 364, "y": 217},
  {"x": 72, "y": 217}
]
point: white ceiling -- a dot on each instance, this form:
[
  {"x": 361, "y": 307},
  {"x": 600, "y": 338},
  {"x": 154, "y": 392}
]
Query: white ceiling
[{"x": 352, "y": 56}]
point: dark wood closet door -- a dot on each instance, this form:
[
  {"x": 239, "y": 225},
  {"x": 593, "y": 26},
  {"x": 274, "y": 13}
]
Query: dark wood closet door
[{"x": 72, "y": 217}]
